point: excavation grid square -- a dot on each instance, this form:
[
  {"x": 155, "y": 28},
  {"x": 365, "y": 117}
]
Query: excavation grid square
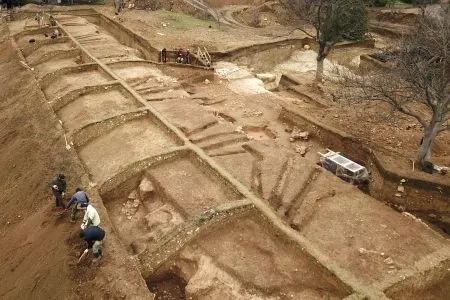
[{"x": 125, "y": 144}]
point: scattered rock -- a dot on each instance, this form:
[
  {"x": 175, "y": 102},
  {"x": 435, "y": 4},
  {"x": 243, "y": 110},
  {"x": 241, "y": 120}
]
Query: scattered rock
[
  {"x": 356, "y": 61},
  {"x": 306, "y": 47},
  {"x": 136, "y": 203},
  {"x": 132, "y": 195},
  {"x": 301, "y": 149},
  {"x": 288, "y": 129},
  {"x": 266, "y": 77},
  {"x": 388, "y": 261},
  {"x": 207, "y": 81},
  {"x": 252, "y": 113},
  {"x": 398, "y": 195},
  {"x": 297, "y": 134},
  {"x": 401, "y": 189},
  {"x": 239, "y": 129},
  {"x": 145, "y": 188},
  {"x": 130, "y": 207},
  {"x": 403, "y": 180}
]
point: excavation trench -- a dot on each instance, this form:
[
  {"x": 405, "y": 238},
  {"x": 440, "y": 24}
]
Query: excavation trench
[
  {"x": 424, "y": 199},
  {"x": 149, "y": 213},
  {"x": 180, "y": 212},
  {"x": 222, "y": 259},
  {"x": 384, "y": 181}
]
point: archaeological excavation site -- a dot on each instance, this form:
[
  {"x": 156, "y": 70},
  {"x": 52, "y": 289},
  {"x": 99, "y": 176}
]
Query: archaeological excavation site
[{"x": 220, "y": 166}]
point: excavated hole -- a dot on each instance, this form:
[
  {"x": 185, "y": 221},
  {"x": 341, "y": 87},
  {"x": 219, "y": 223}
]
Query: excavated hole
[
  {"x": 259, "y": 133},
  {"x": 167, "y": 286},
  {"x": 222, "y": 261}
]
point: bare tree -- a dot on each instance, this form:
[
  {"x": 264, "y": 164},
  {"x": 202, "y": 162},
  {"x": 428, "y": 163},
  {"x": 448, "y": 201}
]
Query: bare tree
[
  {"x": 333, "y": 20},
  {"x": 417, "y": 84}
]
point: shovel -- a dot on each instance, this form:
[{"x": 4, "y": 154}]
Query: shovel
[
  {"x": 65, "y": 138},
  {"x": 83, "y": 255}
]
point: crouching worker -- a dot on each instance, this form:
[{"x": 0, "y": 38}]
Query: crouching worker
[
  {"x": 93, "y": 236},
  {"x": 78, "y": 198},
  {"x": 91, "y": 217},
  {"x": 59, "y": 187}
]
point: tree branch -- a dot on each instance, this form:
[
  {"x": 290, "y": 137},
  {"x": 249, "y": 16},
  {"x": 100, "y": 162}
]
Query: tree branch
[
  {"x": 444, "y": 128},
  {"x": 408, "y": 112},
  {"x": 305, "y": 32}
]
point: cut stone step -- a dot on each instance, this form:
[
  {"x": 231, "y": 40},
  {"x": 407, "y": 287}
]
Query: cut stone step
[
  {"x": 222, "y": 140},
  {"x": 227, "y": 150},
  {"x": 302, "y": 90},
  {"x": 212, "y": 131}
]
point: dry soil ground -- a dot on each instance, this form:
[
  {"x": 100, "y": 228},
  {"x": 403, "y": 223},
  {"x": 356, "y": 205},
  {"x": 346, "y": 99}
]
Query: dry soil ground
[{"x": 196, "y": 173}]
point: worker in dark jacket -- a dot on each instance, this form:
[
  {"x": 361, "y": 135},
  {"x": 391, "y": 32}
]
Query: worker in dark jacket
[
  {"x": 59, "y": 187},
  {"x": 93, "y": 236},
  {"x": 78, "y": 198}
]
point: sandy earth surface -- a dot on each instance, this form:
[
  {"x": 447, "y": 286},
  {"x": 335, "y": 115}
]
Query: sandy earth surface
[{"x": 205, "y": 191}]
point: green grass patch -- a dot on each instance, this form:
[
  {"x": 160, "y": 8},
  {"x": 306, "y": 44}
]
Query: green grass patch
[{"x": 182, "y": 21}]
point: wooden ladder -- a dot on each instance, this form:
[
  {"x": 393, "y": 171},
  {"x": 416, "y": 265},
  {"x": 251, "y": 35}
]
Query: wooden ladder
[{"x": 204, "y": 56}]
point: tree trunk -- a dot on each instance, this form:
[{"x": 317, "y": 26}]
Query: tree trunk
[
  {"x": 321, "y": 55},
  {"x": 319, "y": 71},
  {"x": 430, "y": 134}
]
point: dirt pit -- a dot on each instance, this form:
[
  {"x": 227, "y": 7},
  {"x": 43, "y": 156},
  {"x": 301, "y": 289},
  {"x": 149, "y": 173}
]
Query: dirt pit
[
  {"x": 243, "y": 258},
  {"x": 148, "y": 205},
  {"x": 259, "y": 133},
  {"x": 168, "y": 287},
  {"x": 125, "y": 144},
  {"x": 57, "y": 85},
  {"x": 92, "y": 106}
]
